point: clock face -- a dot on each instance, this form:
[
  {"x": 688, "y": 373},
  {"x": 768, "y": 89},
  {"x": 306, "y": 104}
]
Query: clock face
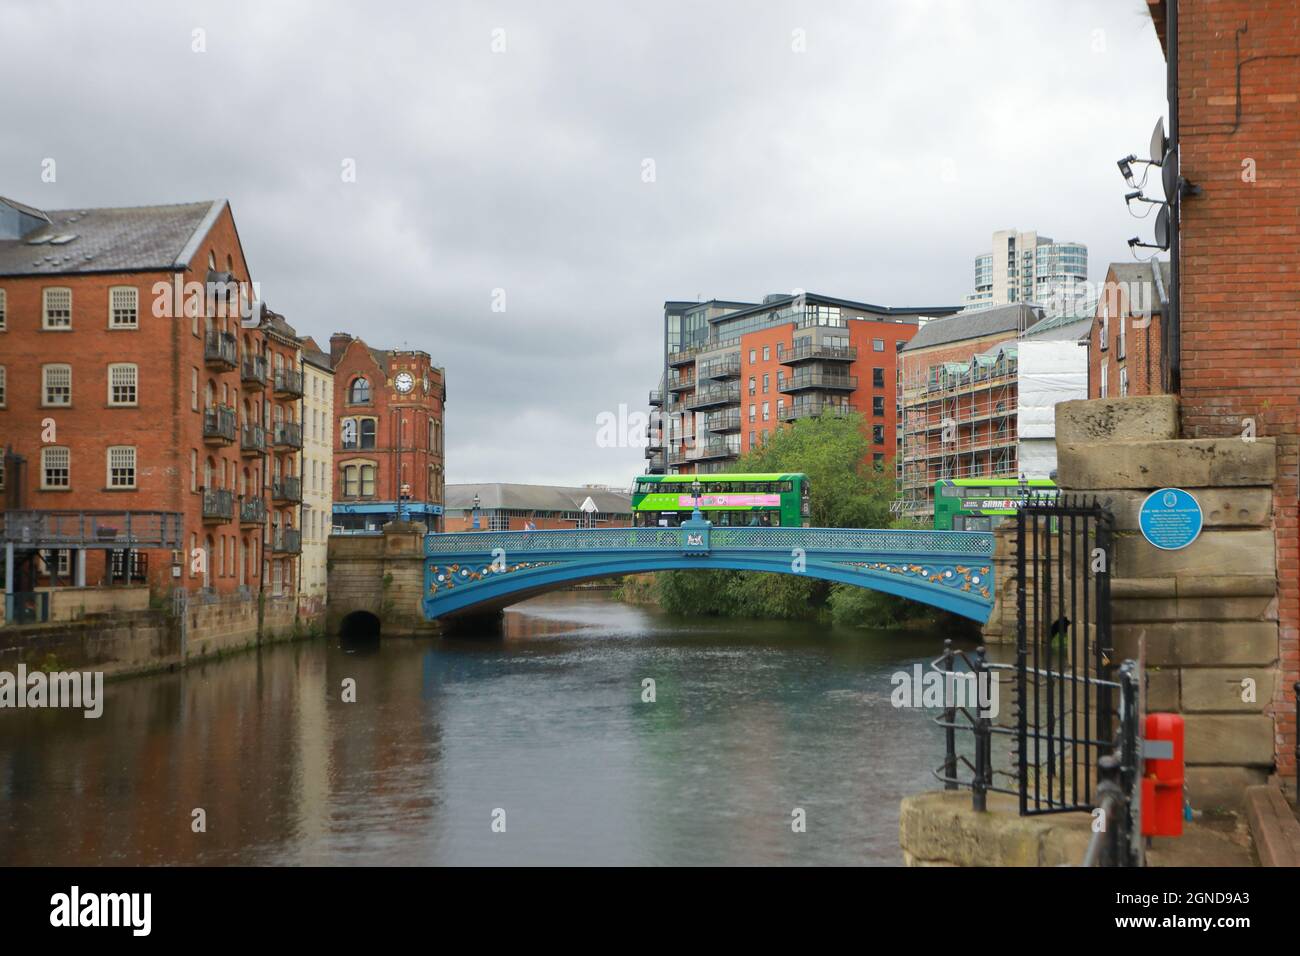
[{"x": 404, "y": 382}]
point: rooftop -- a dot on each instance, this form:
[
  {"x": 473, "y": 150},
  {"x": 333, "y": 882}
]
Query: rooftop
[
  {"x": 498, "y": 495},
  {"x": 1012, "y": 319}
]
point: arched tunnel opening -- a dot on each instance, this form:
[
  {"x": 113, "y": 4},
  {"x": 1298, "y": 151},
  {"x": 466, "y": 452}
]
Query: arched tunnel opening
[{"x": 359, "y": 628}]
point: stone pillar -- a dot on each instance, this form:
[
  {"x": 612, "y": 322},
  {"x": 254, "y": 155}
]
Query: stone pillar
[
  {"x": 1206, "y": 615},
  {"x": 402, "y": 584}
]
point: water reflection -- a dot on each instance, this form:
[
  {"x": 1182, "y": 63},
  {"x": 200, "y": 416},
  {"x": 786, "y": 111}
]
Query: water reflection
[{"x": 544, "y": 721}]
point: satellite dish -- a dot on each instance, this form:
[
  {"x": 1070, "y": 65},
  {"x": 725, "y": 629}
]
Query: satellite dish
[
  {"x": 1158, "y": 142},
  {"x": 1162, "y": 227},
  {"x": 1169, "y": 175}
]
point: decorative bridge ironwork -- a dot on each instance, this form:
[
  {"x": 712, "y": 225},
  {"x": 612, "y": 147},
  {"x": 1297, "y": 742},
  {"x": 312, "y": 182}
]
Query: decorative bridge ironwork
[{"x": 483, "y": 570}]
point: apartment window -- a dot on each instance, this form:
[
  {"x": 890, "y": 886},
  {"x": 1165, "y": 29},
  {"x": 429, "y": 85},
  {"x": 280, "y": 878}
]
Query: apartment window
[
  {"x": 123, "y": 307},
  {"x": 194, "y": 389},
  {"x": 878, "y": 378},
  {"x": 780, "y": 381},
  {"x": 753, "y": 437},
  {"x": 2, "y": 386},
  {"x": 767, "y": 382},
  {"x": 56, "y": 312},
  {"x": 194, "y": 470},
  {"x": 752, "y": 387},
  {"x": 3, "y": 310},
  {"x": 122, "y": 384},
  {"x": 767, "y": 353},
  {"x": 752, "y": 358},
  {"x": 780, "y": 407},
  {"x": 1105, "y": 325},
  {"x": 780, "y": 350},
  {"x": 1119, "y": 342},
  {"x": 767, "y": 411},
  {"x": 877, "y": 345},
  {"x": 878, "y": 459},
  {"x": 1123, "y": 381},
  {"x": 359, "y": 391},
  {"x": 55, "y": 468},
  {"x": 56, "y": 384},
  {"x": 367, "y": 481},
  {"x": 878, "y": 406},
  {"x": 121, "y": 466},
  {"x": 753, "y": 411},
  {"x": 367, "y": 432},
  {"x": 877, "y": 434},
  {"x": 2, "y": 472},
  {"x": 1105, "y": 368}
]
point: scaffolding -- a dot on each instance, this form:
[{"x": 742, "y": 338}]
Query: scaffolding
[{"x": 957, "y": 420}]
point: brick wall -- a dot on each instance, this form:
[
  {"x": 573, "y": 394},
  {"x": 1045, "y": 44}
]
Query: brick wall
[{"x": 1241, "y": 260}]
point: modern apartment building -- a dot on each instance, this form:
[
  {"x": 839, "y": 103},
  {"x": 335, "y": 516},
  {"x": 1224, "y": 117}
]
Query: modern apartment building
[
  {"x": 735, "y": 372},
  {"x": 977, "y": 395},
  {"x": 142, "y": 379},
  {"x": 388, "y": 436},
  {"x": 1124, "y": 341},
  {"x": 317, "y": 468},
  {"x": 1029, "y": 268}
]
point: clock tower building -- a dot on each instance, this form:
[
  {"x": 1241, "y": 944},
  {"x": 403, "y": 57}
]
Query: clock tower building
[{"x": 388, "y": 437}]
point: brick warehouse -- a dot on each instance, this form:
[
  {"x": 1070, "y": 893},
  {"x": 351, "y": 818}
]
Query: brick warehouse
[
  {"x": 388, "y": 440},
  {"x": 138, "y": 372},
  {"x": 1235, "y": 79}
]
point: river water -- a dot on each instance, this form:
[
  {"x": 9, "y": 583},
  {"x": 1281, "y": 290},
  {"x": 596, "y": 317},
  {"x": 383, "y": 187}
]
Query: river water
[{"x": 541, "y": 731}]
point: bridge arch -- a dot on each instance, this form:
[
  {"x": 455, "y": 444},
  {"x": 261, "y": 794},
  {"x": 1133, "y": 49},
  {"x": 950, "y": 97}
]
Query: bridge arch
[
  {"x": 360, "y": 627},
  {"x": 476, "y": 571}
]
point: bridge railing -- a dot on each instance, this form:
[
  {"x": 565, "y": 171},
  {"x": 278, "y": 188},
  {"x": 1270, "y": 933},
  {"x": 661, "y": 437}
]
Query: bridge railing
[{"x": 973, "y": 545}]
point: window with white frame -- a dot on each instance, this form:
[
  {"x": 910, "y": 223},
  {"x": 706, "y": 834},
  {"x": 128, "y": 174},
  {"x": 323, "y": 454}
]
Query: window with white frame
[
  {"x": 2, "y": 386},
  {"x": 3, "y": 311},
  {"x": 121, "y": 466},
  {"x": 1123, "y": 382},
  {"x": 122, "y": 381},
  {"x": 1120, "y": 342},
  {"x": 55, "y": 468},
  {"x": 56, "y": 312},
  {"x": 1105, "y": 325},
  {"x": 1105, "y": 368},
  {"x": 56, "y": 384},
  {"x": 123, "y": 307}
]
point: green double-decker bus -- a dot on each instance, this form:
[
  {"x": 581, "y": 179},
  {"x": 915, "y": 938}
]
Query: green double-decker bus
[
  {"x": 770, "y": 499},
  {"x": 981, "y": 504}
]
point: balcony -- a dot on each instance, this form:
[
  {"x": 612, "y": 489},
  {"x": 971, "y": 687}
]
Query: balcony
[
  {"x": 286, "y": 541},
  {"x": 253, "y": 372},
  {"x": 719, "y": 369},
  {"x": 806, "y": 381},
  {"x": 252, "y": 511},
  {"x": 717, "y": 448},
  {"x": 288, "y": 435},
  {"x": 815, "y": 410},
  {"x": 219, "y": 425},
  {"x": 820, "y": 353},
  {"x": 288, "y": 382},
  {"x": 656, "y": 398},
  {"x": 654, "y": 465},
  {"x": 286, "y": 489},
  {"x": 681, "y": 383},
  {"x": 684, "y": 357},
  {"x": 714, "y": 396},
  {"x": 220, "y": 351},
  {"x": 724, "y": 421},
  {"x": 218, "y": 504},
  {"x": 252, "y": 440}
]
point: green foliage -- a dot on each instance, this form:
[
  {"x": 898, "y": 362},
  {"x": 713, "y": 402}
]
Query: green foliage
[{"x": 866, "y": 608}]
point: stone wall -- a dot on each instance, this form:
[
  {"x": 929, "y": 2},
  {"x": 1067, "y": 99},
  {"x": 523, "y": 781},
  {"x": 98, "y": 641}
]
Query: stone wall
[
  {"x": 1204, "y": 617},
  {"x": 382, "y": 575}
]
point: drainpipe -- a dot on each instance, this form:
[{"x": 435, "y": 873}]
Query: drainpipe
[{"x": 1171, "y": 359}]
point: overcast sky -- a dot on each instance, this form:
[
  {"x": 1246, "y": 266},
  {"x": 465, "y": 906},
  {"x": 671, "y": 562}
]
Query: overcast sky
[{"x": 860, "y": 150}]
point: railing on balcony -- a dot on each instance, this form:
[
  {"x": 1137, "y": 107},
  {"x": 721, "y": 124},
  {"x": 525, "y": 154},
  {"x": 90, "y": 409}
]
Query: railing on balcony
[
  {"x": 286, "y": 489},
  {"x": 252, "y": 439},
  {"x": 93, "y": 529},
  {"x": 218, "y": 504},
  {"x": 714, "y": 395},
  {"x": 680, "y": 383},
  {"x": 288, "y": 382},
  {"x": 819, "y": 352},
  {"x": 721, "y": 368},
  {"x": 219, "y": 424},
  {"x": 252, "y": 511},
  {"x": 814, "y": 410},
  {"x": 656, "y": 397},
  {"x": 221, "y": 349},
  {"x": 286, "y": 541},
  {"x": 716, "y": 448},
  {"x": 820, "y": 380},
  {"x": 655, "y": 464},
  {"x": 252, "y": 370},
  {"x": 725, "y": 421},
  {"x": 288, "y": 434}
]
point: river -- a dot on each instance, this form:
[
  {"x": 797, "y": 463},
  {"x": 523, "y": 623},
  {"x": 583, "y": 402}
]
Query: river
[{"x": 541, "y": 733}]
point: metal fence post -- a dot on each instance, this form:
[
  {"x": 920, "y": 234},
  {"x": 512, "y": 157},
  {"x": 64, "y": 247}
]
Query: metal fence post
[
  {"x": 983, "y": 741},
  {"x": 950, "y": 719},
  {"x": 1110, "y": 797}
]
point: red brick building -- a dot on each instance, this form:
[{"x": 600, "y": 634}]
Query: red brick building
[
  {"x": 138, "y": 373},
  {"x": 1124, "y": 346},
  {"x": 1237, "y": 123},
  {"x": 388, "y": 438}
]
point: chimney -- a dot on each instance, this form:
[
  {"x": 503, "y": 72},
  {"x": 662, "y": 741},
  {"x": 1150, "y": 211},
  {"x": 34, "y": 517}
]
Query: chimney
[{"x": 338, "y": 342}]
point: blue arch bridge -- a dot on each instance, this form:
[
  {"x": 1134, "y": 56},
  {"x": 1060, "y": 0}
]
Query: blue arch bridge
[{"x": 480, "y": 571}]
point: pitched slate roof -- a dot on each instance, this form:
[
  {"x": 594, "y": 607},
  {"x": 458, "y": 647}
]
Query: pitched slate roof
[
  {"x": 129, "y": 239},
  {"x": 1012, "y": 319},
  {"x": 496, "y": 495}
]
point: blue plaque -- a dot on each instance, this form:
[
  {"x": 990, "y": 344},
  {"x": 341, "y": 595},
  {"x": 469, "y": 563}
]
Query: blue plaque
[{"x": 1170, "y": 519}]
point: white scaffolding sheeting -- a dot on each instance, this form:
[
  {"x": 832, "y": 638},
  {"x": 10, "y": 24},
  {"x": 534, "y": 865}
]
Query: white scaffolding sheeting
[{"x": 1050, "y": 372}]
